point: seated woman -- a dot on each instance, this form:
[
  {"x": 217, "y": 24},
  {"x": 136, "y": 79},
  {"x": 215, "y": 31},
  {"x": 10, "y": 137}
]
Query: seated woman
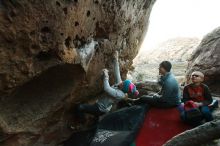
[
  {"x": 169, "y": 96},
  {"x": 197, "y": 95},
  {"x": 115, "y": 93}
]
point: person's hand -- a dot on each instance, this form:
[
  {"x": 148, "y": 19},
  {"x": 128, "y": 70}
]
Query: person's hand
[
  {"x": 198, "y": 104},
  {"x": 105, "y": 73}
]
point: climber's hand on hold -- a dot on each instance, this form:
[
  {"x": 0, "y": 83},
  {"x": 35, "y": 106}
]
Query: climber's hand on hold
[
  {"x": 116, "y": 55},
  {"x": 105, "y": 74}
]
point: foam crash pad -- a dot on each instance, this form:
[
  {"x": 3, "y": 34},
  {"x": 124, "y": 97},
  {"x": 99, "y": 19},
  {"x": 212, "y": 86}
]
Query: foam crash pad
[
  {"x": 120, "y": 128},
  {"x": 159, "y": 126}
]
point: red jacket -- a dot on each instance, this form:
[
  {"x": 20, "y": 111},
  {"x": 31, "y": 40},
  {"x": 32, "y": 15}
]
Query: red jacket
[{"x": 197, "y": 94}]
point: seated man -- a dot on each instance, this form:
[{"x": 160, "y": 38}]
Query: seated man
[
  {"x": 199, "y": 95},
  {"x": 169, "y": 96},
  {"x": 115, "y": 93}
]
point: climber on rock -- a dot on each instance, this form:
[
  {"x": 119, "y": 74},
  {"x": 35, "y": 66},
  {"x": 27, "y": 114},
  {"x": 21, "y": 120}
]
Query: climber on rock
[
  {"x": 169, "y": 95},
  {"x": 119, "y": 91},
  {"x": 196, "y": 96}
]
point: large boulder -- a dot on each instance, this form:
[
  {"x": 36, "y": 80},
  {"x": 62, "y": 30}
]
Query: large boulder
[
  {"x": 52, "y": 53},
  {"x": 206, "y": 59}
]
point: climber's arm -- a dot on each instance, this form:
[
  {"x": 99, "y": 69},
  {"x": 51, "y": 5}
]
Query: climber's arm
[{"x": 113, "y": 92}]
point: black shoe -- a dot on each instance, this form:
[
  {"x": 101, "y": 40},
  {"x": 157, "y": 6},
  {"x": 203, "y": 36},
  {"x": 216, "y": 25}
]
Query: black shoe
[{"x": 4, "y": 137}]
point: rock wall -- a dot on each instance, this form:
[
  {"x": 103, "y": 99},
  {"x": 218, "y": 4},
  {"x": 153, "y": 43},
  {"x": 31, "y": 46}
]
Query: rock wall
[
  {"x": 52, "y": 53},
  {"x": 206, "y": 59}
]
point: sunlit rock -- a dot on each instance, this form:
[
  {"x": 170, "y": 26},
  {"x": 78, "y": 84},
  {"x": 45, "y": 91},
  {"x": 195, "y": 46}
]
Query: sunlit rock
[{"x": 52, "y": 53}]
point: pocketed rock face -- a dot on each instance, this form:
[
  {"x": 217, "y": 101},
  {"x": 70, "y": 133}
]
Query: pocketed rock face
[
  {"x": 206, "y": 59},
  {"x": 47, "y": 48}
]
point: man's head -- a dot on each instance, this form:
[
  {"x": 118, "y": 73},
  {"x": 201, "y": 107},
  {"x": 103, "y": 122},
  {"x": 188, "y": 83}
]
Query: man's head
[
  {"x": 197, "y": 77},
  {"x": 165, "y": 67}
]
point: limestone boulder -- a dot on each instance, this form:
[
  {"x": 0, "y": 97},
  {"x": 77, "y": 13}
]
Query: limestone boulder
[
  {"x": 206, "y": 59},
  {"x": 51, "y": 56}
]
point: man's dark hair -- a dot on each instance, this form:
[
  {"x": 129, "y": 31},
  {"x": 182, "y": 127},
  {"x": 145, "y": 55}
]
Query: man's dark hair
[{"x": 166, "y": 65}]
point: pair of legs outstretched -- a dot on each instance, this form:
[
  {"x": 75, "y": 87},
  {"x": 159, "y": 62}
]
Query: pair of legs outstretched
[
  {"x": 154, "y": 101},
  {"x": 205, "y": 114}
]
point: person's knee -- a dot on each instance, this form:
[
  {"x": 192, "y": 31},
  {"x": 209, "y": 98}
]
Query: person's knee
[
  {"x": 183, "y": 116},
  {"x": 206, "y": 113},
  {"x": 205, "y": 110}
]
